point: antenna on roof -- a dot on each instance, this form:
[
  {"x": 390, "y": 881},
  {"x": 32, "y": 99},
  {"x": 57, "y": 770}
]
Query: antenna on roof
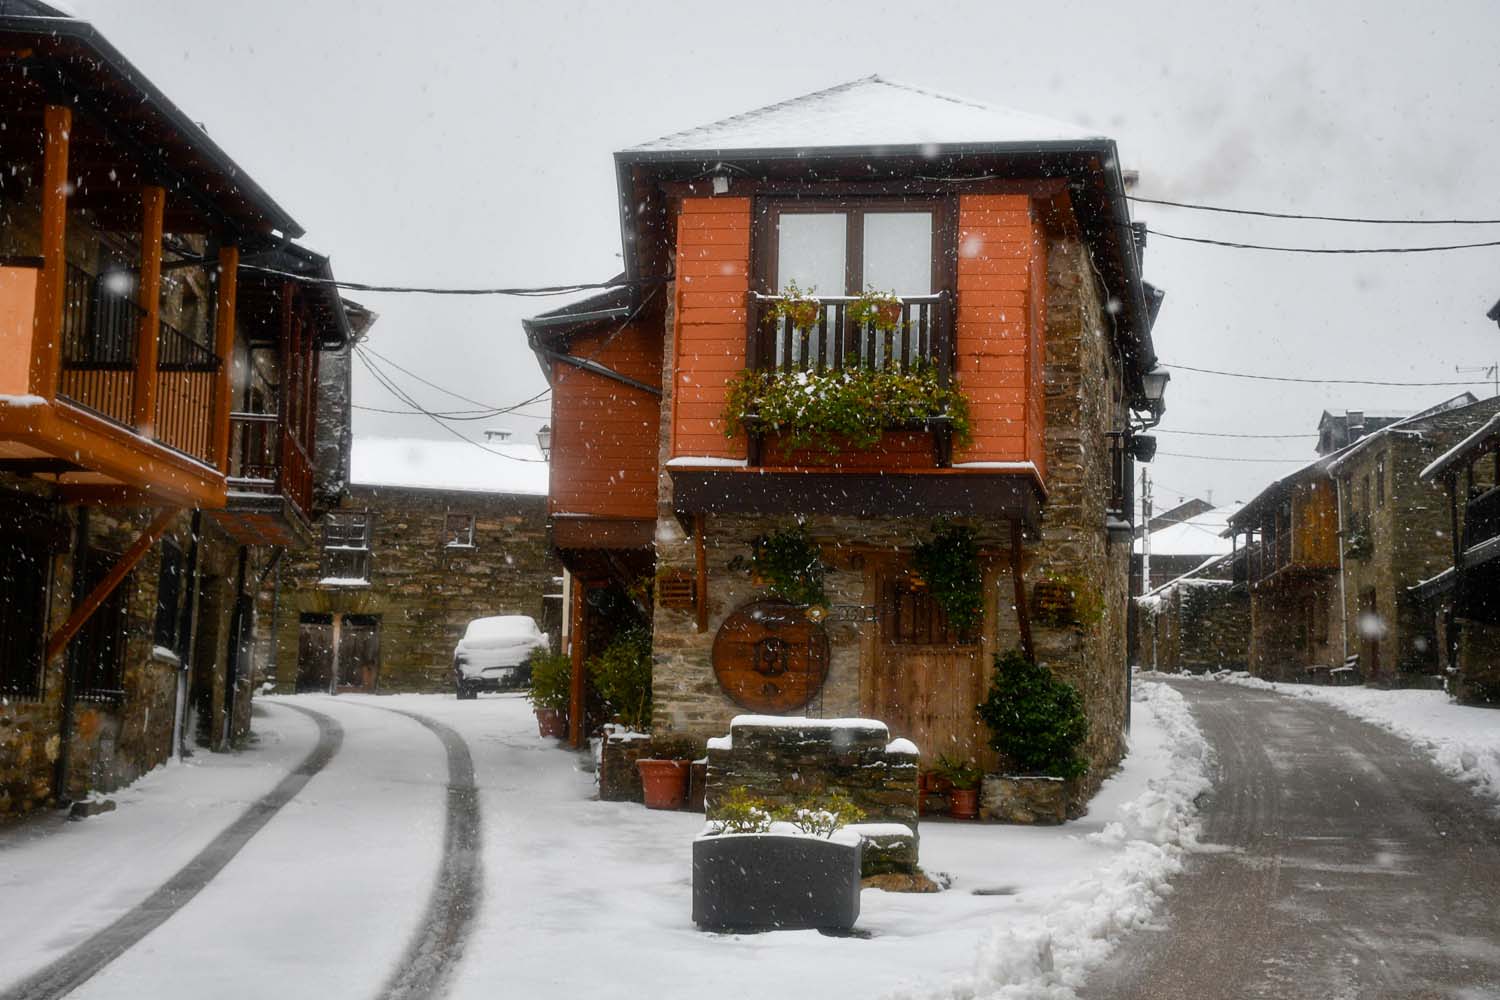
[
  {"x": 497, "y": 434},
  {"x": 1490, "y": 371}
]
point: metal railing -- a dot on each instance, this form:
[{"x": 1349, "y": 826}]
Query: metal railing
[
  {"x": 99, "y": 330},
  {"x": 923, "y": 335}
]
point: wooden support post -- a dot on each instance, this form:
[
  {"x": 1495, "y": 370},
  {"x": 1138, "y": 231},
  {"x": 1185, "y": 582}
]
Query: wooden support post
[
  {"x": 1023, "y": 617},
  {"x": 700, "y": 572},
  {"x": 576, "y": 643},
  {"x": 229, "y": 272},
  {"x": 148, "y": 297},
  {"x": 46, "y": 337},
  {"x": 117, "y": 573}
]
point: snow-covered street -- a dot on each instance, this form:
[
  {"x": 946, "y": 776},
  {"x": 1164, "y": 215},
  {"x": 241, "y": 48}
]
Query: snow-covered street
[{"x": 327, "y": 899}]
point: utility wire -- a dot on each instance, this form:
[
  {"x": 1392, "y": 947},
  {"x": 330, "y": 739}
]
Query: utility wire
[
  {"x": 1314, "y": 218},
  {"x": 488, "y": 408},
  {"x": 457, "y": 415},
  {"x": 1232, "y": 458},
  {"x": 1226, "y": 434},
  {"x": 1318, "y": 381},
  {"x": 401, "y": 395},
  {"x": 538, "y": 291},
  {"x": 1319, "y": 250}
]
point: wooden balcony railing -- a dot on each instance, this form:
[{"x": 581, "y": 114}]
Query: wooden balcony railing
[
  {"x": 924, "y": 336},
  {"x": 266, "y": 459},
  {"x": 99, "y": 332},
  {"x": 187, "y": 376}
]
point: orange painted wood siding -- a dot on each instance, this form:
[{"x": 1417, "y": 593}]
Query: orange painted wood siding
[
  {"x": 606, "y": 434},
  {"x": 1002, "y": 277},
  {"x": 713, "y": 279}
]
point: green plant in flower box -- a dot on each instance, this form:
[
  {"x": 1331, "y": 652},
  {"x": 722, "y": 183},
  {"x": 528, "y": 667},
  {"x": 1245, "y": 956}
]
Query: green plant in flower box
[
  {"x": 850, "y": 407},
  {"x": 881, "y": 310},
  {"x": 798, "y": 307}
]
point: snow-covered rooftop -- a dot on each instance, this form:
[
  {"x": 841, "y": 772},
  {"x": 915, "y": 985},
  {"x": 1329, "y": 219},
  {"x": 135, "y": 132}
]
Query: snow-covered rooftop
[
  {"x": 1201, "y": 535},
  {"x": 872, "y": 111},
  {"x": 417, "y": 463}
]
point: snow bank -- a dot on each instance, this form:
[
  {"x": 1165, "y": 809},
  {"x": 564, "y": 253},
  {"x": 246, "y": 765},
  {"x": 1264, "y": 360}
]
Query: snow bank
[
  {"x": 1050, "y": 954},
  {"x": 1464, "y": 742}
]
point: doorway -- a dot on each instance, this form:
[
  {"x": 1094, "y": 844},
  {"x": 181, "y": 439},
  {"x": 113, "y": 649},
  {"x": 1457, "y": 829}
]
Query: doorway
[{"x": 343, "y": 645}]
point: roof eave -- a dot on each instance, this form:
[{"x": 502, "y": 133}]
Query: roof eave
[{"x": 85, "y": 32}]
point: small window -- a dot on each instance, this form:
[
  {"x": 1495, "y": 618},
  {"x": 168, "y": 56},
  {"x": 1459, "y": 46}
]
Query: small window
[
  {"x": 169, "y": 596},
  {"x": 346, "y": 547},
  {"x": 1380, "y": 482},
  {"x": 913, "y": 617},
  {"x": 458, "y": 531},
  {"x": 1364, "y": 493}
]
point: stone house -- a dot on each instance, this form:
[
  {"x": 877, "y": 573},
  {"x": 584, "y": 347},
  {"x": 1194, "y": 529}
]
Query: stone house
[
  {"x": 1396, "y": 533},
  {"x": 1289, "y": 533},
  {"x": 153, "y": 416},
  {"x": 1003, "y": 237},
  {"x": 426, "y": 536},
  {"x": 1198, "y": 622}
]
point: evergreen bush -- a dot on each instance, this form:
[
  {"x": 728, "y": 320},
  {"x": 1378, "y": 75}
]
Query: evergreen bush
[{"x": 1035, "y": 720}]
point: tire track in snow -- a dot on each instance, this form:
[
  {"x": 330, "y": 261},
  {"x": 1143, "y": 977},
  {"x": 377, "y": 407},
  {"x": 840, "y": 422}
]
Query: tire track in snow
[
  {"x": 434, "y": 952},
  {"x": 85, "y": 959}
]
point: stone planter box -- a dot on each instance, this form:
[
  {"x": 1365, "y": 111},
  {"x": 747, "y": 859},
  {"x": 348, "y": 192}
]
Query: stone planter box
[
  {"x": 619, "y": 779},
  {"x": 1031, "y": 799},
  {"x": 772, "y": 881}
]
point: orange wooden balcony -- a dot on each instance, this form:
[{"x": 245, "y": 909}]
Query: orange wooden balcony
[{"x": 270, "y": 495}]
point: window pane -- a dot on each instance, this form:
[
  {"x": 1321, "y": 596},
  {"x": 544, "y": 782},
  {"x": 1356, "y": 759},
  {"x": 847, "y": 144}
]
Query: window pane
[
  {"x": 810, "y": 251},
  {"x": 898, "y": 252}
]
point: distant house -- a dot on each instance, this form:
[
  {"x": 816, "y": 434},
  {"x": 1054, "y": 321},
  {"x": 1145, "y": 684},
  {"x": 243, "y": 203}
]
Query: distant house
[
  {"x": 1004, "y": 244},
  {"x": 427, "y": 536},
  {"x": 1466, "y": 594},
  {"x": 1198, "y": 622},
  {"x": 1182, "y": 544},
  {"x": 1340, "y": 428}
]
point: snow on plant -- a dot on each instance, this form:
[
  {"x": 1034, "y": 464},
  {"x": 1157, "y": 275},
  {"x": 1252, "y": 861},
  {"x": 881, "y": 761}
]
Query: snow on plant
[
  {"x": 740, "y": 812},
  {"x": 823, "y": 816},
  {"x": 851, "y": 407}
]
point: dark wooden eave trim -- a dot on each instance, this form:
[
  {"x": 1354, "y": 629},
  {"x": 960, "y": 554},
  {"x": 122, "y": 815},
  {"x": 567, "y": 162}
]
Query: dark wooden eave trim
[
  {"x": 1004, "y": 495},
  {"x": 582, "y": 531}
]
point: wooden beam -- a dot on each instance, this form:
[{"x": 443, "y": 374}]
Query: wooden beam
[
  {"x": 117, "y": 573},
  {"x": 575, "y": 651},
  {"x": 229, "y": 271},
  {"x": 46, "y": 340},
  {"x": 148, "y": 297},
  {"x": 1023, "y": 617},
  {"x": 700, "y": 572}
]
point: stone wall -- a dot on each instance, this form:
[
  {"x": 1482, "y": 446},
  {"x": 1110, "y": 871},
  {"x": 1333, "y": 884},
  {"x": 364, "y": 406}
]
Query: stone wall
[
  {"x": 423, "y": 591},
  {"x": 1295, "y": 623},
  {"x": 115, "y": 740},
  {"x": 1196, "y": 626}
]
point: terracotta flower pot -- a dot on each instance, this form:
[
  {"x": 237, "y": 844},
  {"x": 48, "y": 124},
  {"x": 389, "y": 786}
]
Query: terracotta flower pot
[
  {"x": 964, "y": 803},
  {"x": 551, "y": 722},
  {"x": 888, "y": 315},
  {"x": 664, "y": 782}
]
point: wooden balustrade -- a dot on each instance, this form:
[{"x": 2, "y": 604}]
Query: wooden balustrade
[
  {"x": 266, "y": 458},
  {"x": 924, "y": 335}
]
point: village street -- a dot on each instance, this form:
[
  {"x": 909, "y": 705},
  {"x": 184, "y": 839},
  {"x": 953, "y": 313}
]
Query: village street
[{"x": 1336, "y": 862}]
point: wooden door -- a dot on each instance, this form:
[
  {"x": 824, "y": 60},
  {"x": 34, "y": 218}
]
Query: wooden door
[
  {"x": 919, "y": 678},
  {"x": 1370, "y": 629},
  {"x": 359, "y": 652},
  {"x": 314, "y": 652}
]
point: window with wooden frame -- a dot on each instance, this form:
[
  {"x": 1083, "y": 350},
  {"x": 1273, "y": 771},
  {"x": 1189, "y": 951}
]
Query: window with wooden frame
[
  {"x": 97, "y": 653},
  {"x": 1380, "y": 481},
  {"x": 835, "y": 250},
  {"x": 346, "y": 546},
  {"x": 23, "y": 613},
  {"x": 911, "y": 616},
  {"x": 169, "y": 597},
  {"x": 458, "y": 531}
]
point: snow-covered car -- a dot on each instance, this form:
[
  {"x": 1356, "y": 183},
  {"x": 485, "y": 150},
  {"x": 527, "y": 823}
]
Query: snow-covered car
[{"x": 493, "y": 654}]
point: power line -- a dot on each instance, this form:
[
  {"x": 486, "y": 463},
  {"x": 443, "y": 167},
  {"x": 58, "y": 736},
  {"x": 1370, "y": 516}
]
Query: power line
[
  {"x": 1319, "y": 250},
  {"x": 1226, "y": 434},
  {"x": 458, "y": 415},
  {"x": 1317, "y": 381},
  {"x": 1315, "y": 218},
  {"x": 1232, "y": 458},
  {"x": 538, "y": 291},
  {"x": 488, "y": 408}
]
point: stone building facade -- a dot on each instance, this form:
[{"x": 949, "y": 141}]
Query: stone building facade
[
  {"x": 1397, "y": 532},
  {"x": 435, "y": 559},
  {"x": 1194, "y": 625}
]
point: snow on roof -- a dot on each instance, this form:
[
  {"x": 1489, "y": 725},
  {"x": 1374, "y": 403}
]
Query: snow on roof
[
  {"x": 1341, "y": 458},
  {"x": 417, "y": 463},
  {"x": 872, "y": 111},
  {"x": 1201, "y": 535},
  {"x": 1447, "y": 458}
]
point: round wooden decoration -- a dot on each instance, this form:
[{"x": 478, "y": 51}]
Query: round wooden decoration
[{"x": 769, "y": 658}]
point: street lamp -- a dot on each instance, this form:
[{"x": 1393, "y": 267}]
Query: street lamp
[
  {"x": 544, "y": 440},
  {"x": 1154, "y": 388}
]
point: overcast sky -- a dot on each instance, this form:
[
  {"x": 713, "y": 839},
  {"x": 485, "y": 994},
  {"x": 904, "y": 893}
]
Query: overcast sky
[{"x": 469, "y": 144}]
